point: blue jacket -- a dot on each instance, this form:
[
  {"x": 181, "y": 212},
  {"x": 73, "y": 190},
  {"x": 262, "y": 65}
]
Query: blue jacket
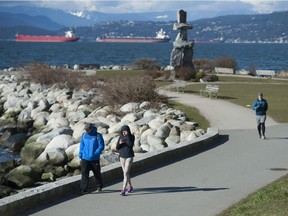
[
  {"x": 260, "y": 107},
  {"x": 91, "y": 145}
]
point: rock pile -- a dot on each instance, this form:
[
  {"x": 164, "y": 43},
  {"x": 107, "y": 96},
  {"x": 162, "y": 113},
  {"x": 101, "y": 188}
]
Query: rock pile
[{"x": 45, "y": 124}]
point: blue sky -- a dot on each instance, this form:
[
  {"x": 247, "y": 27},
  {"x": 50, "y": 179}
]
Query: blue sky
[{"x": 199, "y": 9}]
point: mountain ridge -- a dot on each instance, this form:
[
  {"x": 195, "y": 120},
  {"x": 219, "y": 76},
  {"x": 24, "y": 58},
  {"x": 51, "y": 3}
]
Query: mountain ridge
[{"x": 255, "y": 28}]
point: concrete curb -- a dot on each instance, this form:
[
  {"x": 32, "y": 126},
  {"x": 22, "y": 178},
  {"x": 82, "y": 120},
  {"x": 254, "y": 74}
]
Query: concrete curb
[{"x": 32, "y": 198}]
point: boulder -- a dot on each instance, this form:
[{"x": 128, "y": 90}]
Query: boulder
[
  {"x": 129, "y": 107},
  {"x": 16, "y": 142},
  {"x": 163, "y": 131},
  {"x": 6, "y": 166},
  {"x": 145, "y": 105},
  {"x": 6, "y": 191},
  {"x": 62, "y": 141},
  {"x": 31, "y": 151},
  {"x": 57, "y": 122},
  {"x": 115, "y": 128},
  {"x": 129, "y": 117},
  {"x": 12, "y": 112},
  {"x": 24, "y": 176},
  {"x": 72, "y": 151},
  {"x": 56, "y": 132},
  {"x": 155, "y": 142},
  {"x": 108, "y": 158},
  {"x": 155, "y": 124},
  {"x": 172, "y": 140},
  {"x": 40, "y": 121}
]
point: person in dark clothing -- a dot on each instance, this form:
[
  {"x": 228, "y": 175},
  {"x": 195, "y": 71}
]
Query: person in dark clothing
[
  {"x": 91, "y": 146},
  {"x": 125, "y": 147},
  {"x": 260, "y": 106}
]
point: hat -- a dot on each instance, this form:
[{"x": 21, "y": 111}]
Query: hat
[
  {"x": 88, "y": 126},
  {"x": 260, "y": 94}
]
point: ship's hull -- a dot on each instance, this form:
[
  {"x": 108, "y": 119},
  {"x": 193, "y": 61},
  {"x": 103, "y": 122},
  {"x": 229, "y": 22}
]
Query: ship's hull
[
  {"x": 30, "y": 38},
  {"x": 132, "y": 40}
]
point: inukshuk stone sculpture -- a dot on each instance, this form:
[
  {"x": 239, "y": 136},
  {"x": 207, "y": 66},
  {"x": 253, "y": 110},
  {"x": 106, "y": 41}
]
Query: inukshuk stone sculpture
[{"x": 182, "y": 53}]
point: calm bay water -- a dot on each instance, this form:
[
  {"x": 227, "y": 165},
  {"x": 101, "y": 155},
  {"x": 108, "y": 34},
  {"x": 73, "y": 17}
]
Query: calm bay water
[{"x": 15, "y": 54}]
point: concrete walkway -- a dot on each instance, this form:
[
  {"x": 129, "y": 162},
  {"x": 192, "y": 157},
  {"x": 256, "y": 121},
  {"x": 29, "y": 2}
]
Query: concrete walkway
[{"x": 203, "y": 183}]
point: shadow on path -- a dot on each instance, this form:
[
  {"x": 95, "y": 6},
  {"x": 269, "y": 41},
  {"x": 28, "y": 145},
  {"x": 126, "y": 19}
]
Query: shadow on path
[{"x": 157, "y": 190}]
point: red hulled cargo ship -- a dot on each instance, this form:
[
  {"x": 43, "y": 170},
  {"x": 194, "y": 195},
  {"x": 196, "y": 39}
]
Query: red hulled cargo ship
[
  {"x": 69, "y": 37},
  {"x": 160, "y": 38}
]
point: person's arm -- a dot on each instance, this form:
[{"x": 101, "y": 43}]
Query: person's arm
[
  {"x": 100, "y": 141},
  {"x": 81, "y": 147},
  {"x": 255, "y": 105},
  {"x": 119, "y": 145}
]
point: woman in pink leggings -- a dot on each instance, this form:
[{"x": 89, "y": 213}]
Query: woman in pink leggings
[{"x": 125, "y": 147}]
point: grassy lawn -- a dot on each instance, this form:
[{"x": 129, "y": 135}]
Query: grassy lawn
[
  {"x": 192, "y": 113},
  {"x": 111, "y": 73}
]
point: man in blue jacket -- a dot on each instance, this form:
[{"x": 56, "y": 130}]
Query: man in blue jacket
[
  {"x": 91, "y": 146},
  {"x": 260, "y": 106}
]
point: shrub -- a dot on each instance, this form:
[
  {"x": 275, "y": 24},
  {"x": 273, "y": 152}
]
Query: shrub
[
  {"x": 154, "y": 73},
  {"x": 205, "y": 65},
  {"x": 184, "y": 73},
  {"x": 199, "y": 75},
  {"x": 252, "y": 70},
  {"x": 121, "y": 90},
  {"x": 44, "y": 74},
  {"x": 147, "y": 64},
  {"x": 226, "y": 62},
  {"x": 212, "y": 78}
]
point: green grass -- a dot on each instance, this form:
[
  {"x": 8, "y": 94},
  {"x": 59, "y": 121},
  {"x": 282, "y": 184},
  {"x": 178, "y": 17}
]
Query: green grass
[
  {"x": 112, "y": 73},
  {"x": 193, "y": 114}
]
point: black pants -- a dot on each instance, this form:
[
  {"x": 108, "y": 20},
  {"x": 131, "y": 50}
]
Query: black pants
[{"x": 86, "y": 166}]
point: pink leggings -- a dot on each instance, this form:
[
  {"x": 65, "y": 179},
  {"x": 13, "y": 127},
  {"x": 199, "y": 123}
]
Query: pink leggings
[{"x": 126, "y": 164}]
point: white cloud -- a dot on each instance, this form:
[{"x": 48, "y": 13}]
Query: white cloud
[
  {"x": 260, "y": 6},
  {"x": 194, "y": 8}
]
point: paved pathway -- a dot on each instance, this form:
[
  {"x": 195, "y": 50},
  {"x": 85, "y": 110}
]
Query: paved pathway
[{"x": 205, "y": 183}]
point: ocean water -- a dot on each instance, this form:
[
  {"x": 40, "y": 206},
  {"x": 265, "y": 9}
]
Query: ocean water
[{"x": 15, "y": 54}]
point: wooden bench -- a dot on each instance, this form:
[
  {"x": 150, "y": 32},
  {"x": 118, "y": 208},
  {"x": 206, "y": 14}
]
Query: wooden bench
[
  {"x": 178, "y": 85},
  {"x": 263, "y": 73},
  {"x": 210, "y": 91},
  {"x": 220, "y": 70}
]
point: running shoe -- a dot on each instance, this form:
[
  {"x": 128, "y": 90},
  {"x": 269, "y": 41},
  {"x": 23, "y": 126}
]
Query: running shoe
[
  {"x": 122, "y": 193},
  {"x": 99, "y": 190},
  {"x": 130, "y": 189}
]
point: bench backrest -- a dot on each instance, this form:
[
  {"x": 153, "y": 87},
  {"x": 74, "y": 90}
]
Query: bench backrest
[
  {"x": 265, "y": 73},
  {"x": 224, "y": 70},
  {"x": 212, "y": 88},
  {"x": 180, "y": 83}
]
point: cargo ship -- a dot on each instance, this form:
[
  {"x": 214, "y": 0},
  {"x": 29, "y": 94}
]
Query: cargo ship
[
  {"x": 68, "y": 37},
  {"x": 159, "y": 38}
]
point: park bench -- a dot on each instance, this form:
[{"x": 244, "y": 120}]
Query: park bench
[
  {"x": 263, "y": 73},
  {"x": 210, "y": 91},
  {"x": 178, "y": 85},
  {"x": 220, "y": 70}
]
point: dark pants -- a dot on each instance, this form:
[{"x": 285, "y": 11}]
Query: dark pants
[{"x": 86, "y": 166}]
